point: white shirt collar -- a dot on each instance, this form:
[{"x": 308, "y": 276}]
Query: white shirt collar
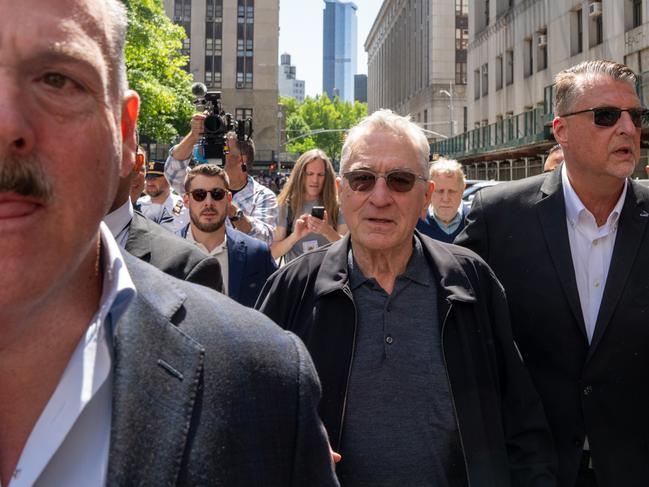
[
  {"x": 119, "y": 220},
  {"x": 215, "y": 251},
  {"x": 575, "y": 208}
]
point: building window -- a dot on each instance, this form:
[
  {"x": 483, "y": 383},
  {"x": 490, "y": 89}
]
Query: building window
[
  {"x": 637, "y": 13},
  {"x": 542, "y": 50},
  {"x": 509, "y": 67},
  {"x": 242, "y": 113},
  {"x": 576, "y": 32},
  {"x": 182, "y": 10},
  {"x": 213, "y": 43},
  {"x": 461, "y": 7},
  {"x": 486, "y": 12},
  {"x": 476, "y": 83},
  {"x": 460, "y": 73},
  {"x": 245, "y": 43},
  {"x": 499, "y": 72},
  {"x": 528, "y": 67},
  {"x": 485, "y": 79},
  {"x": 596, "y": 31}
]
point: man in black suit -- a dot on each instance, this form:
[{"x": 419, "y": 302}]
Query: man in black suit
[
  {"x": 572, "y": 250},
  {"x": 114, "y": 373},
  {"x": 153, "y": 244}
]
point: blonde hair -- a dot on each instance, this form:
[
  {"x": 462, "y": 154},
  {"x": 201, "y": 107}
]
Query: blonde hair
[
  {"x": 293, "y": 193},
  {"x": 447, "y": 167}
]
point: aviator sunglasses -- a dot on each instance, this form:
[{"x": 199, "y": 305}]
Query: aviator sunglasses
[
  {"x": 200, "y": 194},
  {"x": 398, "y": 180},
  {"x": 608, "y": 116}
]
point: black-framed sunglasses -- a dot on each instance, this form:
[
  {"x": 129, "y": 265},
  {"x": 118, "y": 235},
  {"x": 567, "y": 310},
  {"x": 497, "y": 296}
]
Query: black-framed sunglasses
[
  {"x": 200, "y": 194},
  {"x": 398, "y": 180},
  {"x": 608, "y": 116}
]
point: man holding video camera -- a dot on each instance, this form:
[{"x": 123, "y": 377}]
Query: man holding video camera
[{"x": 253, "y": 209}]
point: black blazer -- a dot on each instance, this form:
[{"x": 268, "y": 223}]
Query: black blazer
[
  {"x": 600, "y": 390},
  {"x": 207, "y": 392},
  {"x": 171, "y": 254}
]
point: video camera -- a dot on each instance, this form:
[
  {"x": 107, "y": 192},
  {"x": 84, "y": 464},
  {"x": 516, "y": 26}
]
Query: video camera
[{"x": 213, "y": 143}]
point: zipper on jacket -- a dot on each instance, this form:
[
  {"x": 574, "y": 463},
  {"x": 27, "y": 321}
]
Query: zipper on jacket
[
  {"x": 348, "y": 292},
  {"x": 450, "y": 386}
]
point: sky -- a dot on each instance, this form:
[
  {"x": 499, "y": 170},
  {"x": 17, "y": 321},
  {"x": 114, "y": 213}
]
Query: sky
[{"x": 300, "y": 35}]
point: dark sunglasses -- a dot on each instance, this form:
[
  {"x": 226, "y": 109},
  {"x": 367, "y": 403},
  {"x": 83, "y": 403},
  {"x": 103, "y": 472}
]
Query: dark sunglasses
[
  {"x": 398, "y": 180},
  {"x": 200, "y": 194},
  {"x": 608, "y": 116}
]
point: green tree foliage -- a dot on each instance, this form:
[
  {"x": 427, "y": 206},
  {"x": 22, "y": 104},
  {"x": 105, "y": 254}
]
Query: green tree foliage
[
  {"x": 320, "y": 113},
  {"x": 155, "y": 71}
]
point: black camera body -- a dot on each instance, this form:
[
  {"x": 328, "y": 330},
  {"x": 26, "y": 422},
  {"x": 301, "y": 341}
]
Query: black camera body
[{"x": 213, "y": 144}]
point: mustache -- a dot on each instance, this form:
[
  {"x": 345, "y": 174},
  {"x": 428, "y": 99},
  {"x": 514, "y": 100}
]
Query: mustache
[
  {"x": 25, "y": 176},
  {"x": 212, "y": 209}
]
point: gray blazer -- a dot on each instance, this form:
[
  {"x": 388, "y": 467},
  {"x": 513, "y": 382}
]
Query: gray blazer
[
  {"x": 173, "y": 255},
  {"x": 207, "y": 392}
]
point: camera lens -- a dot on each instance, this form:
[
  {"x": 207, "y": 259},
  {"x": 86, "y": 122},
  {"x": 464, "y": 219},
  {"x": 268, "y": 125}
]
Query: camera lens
[{"x": 214, "y": 124}]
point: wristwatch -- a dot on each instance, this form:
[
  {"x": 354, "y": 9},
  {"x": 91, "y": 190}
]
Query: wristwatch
[{"x": 237, "y": 216}]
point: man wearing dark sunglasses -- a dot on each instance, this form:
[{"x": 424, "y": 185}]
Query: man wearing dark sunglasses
[
  {"x": 422, "y": 384},
  {"x": 246, "y": 262},
  {"x": 571, "y": 248}
]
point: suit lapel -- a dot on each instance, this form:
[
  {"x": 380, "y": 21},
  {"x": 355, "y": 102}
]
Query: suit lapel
[
  {"x": 137, "y": 243},
  {"x": 630, "y": 231},
  {"x": 157, "y": 369},
  {"x": 552, "y": 213},
  {"x": 237, "y": 262}
]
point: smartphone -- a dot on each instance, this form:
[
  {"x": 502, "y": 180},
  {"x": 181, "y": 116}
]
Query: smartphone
[{"x": 318, "y": 212}]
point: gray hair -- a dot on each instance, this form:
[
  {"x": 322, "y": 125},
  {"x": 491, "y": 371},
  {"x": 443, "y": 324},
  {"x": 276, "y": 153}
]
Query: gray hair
[
  {"x": 447, "y": 167},
  {"x": 568, "y": 84},
  {"x": 387, "y": 120}
]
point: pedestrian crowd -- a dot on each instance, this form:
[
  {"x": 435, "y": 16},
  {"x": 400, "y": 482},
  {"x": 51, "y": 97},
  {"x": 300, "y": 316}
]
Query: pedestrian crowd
[{"x": 420, "y": 342}]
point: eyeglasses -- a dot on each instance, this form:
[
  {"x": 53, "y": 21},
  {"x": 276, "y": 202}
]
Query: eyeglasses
[
  {"x": 200, "y": 194},
  {"x": 608, "y": 116},
  {"x": 399, "y": 181}
]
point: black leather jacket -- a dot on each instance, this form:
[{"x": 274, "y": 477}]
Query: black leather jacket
[{"x": 504, "y": 434}]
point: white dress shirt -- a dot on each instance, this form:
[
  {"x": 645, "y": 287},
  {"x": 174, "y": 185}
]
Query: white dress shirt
[
  {"x": 220, "y": 252},
  {"x": 591, "y": 247},
  {"x": 70, "y": 442}
]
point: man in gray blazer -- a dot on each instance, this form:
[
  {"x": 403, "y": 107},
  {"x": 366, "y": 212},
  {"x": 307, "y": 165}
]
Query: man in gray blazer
[{"x": 113, "y": 372}]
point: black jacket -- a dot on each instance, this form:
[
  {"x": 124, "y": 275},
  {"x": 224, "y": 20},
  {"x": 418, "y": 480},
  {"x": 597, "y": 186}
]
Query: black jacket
[
  {"x": 600, "y": 390},
  {"x": 505, "y": 437}
]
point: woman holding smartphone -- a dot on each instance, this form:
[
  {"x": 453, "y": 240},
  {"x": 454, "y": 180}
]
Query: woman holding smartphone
[{"x": 308, "y": 208}]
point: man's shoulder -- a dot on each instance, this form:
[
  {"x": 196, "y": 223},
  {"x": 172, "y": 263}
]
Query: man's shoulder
[
  {"x": 252, "y": 244},
  {"x": 259, "y": 188},
  {"x": 165, "y": 242},
  {"x": 211, "y": 319}
]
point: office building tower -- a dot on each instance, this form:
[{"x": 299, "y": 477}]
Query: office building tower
[{"x": 339, "y": 49}]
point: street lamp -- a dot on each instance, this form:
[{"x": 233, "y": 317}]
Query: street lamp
[{"x": 449, "y": 93}]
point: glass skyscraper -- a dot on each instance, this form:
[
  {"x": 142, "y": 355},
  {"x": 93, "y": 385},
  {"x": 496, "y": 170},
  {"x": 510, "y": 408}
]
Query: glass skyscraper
[{"x": 339, "y": 49}]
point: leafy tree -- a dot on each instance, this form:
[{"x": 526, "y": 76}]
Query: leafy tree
[
  {"x": 155, "y": 70},
  {"x": 320, "y": 113}
]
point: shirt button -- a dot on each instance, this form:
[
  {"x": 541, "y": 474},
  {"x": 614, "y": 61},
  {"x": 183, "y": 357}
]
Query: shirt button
[
  {"x": 596, "y": 283},
  {"x": 587, "y": 390},
  {"x": 389, "y": 340}
]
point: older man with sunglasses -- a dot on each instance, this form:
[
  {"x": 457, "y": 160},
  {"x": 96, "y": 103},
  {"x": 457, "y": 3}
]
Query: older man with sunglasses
[
  {"x": 422, "y": 384},
  {"x": 572, "y": 250},
  {"x": 246, "y": 262}
]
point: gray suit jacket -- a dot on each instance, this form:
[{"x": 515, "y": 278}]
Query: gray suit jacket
[
  {"x": 171, "y": 254},
  {"x": 207, "y": 392}
]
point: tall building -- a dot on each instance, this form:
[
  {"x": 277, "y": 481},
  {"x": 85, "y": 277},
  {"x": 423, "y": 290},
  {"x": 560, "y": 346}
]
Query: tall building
[
  {"x": 339, "y": 49},
  {"x": 417, "y": 63},
  {"x": 286, "y": 82},
  {"x": 232, "y": 47},
  {"x": 517, "y": 47},
  {"x": 360, "y": 88}
]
